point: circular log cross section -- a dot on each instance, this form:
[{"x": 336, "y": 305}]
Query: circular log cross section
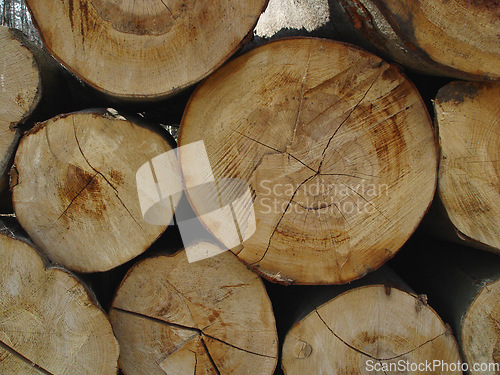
[
  {"x": 468, "y": 119},
  {"x": 336, "y": 146},
  {"x": 20, "y": 89},
  {"x": 142, "y": 50},
  {"x": 49, "y": 324},
  {"x": 482, "y": 317},
  {"x": 452, "y": 38},
  {"x": 369, "y": 329},
  {"x": 207, "y": 317},
  {"x": 75, "y": 191}
]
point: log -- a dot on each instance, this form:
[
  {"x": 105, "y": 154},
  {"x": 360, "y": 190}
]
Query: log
[
  {"x": 464, "y": 287},
  {"x": 467, "y": 118},
  {"x": 454, "y": 39},
  {"x": 367, "y": 327},
  {"x": 337, "y": 149},
  {"x": 49, "y": 322},
  {"x": 140, "y": 51},
  {"x": 74, "y": 189},
  {"x": 20, "y": 92},
  {"x": 207, "y": 317}
]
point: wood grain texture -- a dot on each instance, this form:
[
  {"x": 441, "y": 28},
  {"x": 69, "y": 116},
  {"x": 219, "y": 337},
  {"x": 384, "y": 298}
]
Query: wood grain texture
[
  {"x": 468, "y": 120},
  {"x": 143, "y": 50},
  {"x": 366, "y": 327},
  {"x": 336, "y": 146},
  {"x": 49, "y": 323},
  {"x": 208, "y": 317},
  {"x": 20, "y": 92},
  {"x": 451, "y": 38},
  {"x": 75, "y": 193}
]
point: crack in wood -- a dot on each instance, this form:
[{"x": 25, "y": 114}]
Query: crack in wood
[
  {"x": 76, "y": 196},
  {"x": 24, "y": 359},
  {"x": 281, "y": 218},
  {"x": 345, "y": 120},
  {"x": 237, "y": 347},
  {"x": 277, "y": 151},
  {"x": 368, "y": 355},
  {"x": 104, "y": 177}
]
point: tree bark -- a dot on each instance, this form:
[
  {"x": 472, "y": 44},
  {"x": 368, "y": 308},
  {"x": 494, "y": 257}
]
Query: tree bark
[
  {"x": 208, "y": 317},
  {"x": 464, "y": 287},
  {"x": 454, "y": 39},
  {"x": 336, "y": 146},
  {"x": 49, "y": 323},
  {"x": 468, "y": 115},
  {"x": 371, "y": 326},
  {"x": 143, "y": 51},
  {"x": 75, "y": 192}
]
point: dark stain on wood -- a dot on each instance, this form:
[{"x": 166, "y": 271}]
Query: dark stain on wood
[{"x": 457, "y": 92}]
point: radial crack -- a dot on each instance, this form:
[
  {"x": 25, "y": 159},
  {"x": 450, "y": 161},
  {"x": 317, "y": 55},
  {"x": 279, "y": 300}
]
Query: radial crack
[
  {"x": 368, "y": 355},
  {"x": 275, "y": 149},
  {"x": 345, "y": 120},
  {"x": 281, "y": 218},
  {"x": 210, "y": 356},
  {"x": 77, "y": 195},
  {"x": 157, "y": 320},
  {"x": 236, "y": 347},
  {"x": 24, "y": 359},
  {"x": 104, "y": 177}
]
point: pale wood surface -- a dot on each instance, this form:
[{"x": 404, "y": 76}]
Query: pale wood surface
[
  {"x": 75, "y": 192},
  {"x": 20, "y": 92},
  {"x": 208, "y": 317},
  {"x": 468, "y": 117},
  {"x": 373, "y": 323},
  {"x": 337, "y": 148},
  {"x": 141, "y": 50},
  {"x": 49, "y": 324}
]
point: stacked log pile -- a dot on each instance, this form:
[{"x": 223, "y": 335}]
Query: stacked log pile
[{"x": 305, "y": 218}]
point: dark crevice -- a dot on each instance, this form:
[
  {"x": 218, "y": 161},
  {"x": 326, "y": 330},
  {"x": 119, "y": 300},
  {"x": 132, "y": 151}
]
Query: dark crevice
[
  {"x": 210, "y": 356},
  {"x": 157, "y": 320},
  {"x": 18, "y": 355},
  {"x": 238, "y": 348}
]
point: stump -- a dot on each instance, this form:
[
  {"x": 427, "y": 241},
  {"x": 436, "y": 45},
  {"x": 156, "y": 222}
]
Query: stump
[
  {"x": 49, "y": 323},
  {"x": 336, "y": 146},
  {"x": 143, "y": 50},
  {"x": 208, "y": 317},
  {"x": 75, "y": 193},
  {"x": 369, "y": 329},
  {"x": 468, "y": 119},
  {"x": 455, "y": 39}
]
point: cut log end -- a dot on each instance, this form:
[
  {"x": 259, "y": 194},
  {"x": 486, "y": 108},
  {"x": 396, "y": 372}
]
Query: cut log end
[
  {"x": 19, "y": 91},
  {"x": 49, "y": 322},
  {"x": 158, "y": 47},
  {"x": 208, "y": 317},
  {"x": 336, "y": 146},
  {"x": 468, "y": 117},
  {"x": 372, "y": 328},
  {"x": 482, "y": 317},
  {"x": 76, "y": 193}
]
